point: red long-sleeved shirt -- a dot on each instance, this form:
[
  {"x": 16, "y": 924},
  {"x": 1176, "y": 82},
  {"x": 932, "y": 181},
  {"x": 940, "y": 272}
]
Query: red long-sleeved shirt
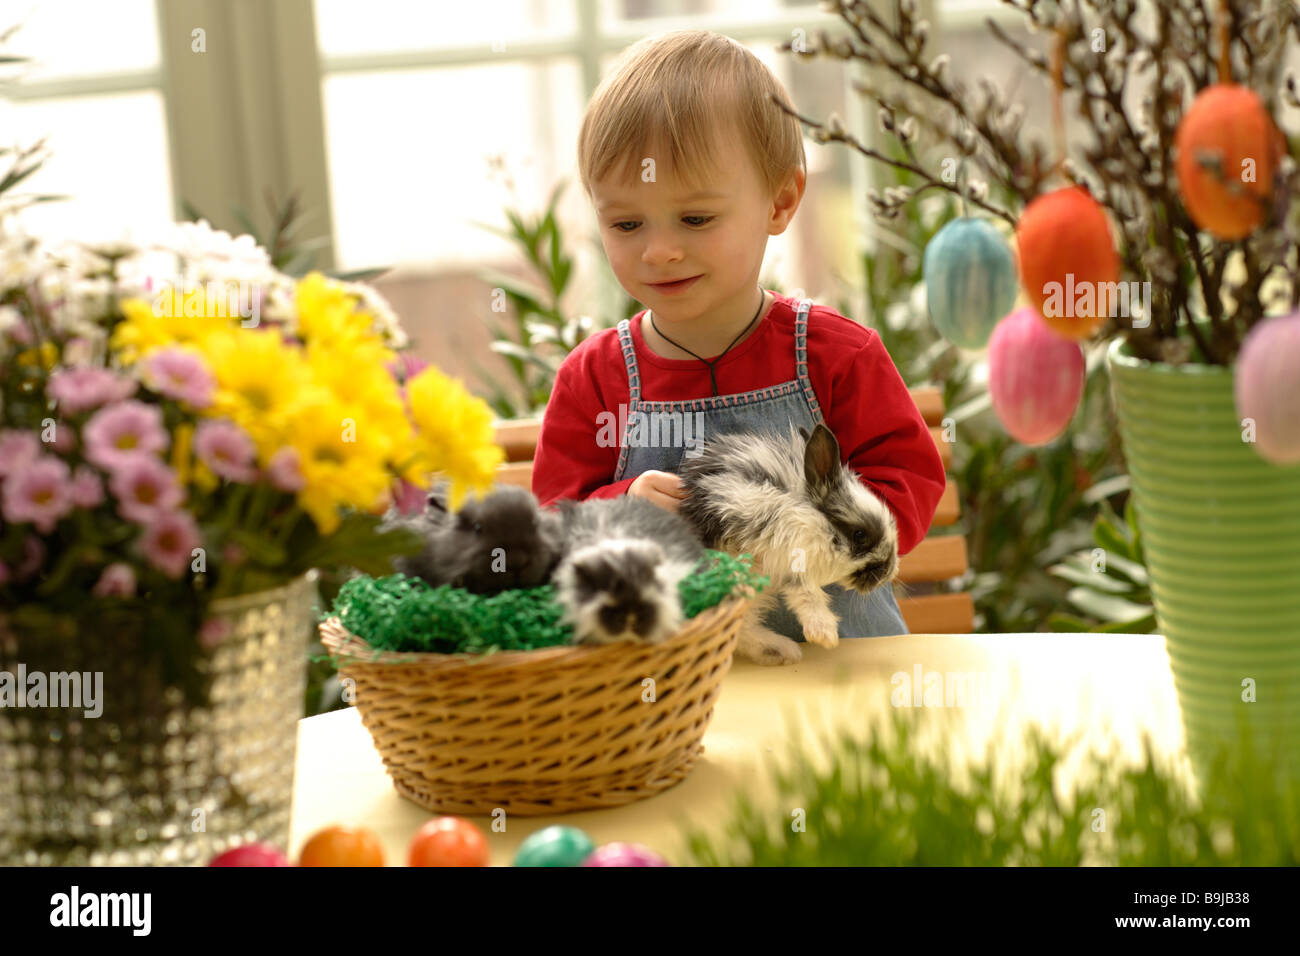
[{"x": 863, "y": 400}]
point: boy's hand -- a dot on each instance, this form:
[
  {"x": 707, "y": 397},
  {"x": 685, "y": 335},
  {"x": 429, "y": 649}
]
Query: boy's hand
[{"x": 661, "y": 488}]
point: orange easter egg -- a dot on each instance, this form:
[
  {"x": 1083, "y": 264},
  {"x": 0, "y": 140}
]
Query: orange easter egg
[
  {"x": 1066, "y": 255},
  {"x": 1227, "y": 125}
]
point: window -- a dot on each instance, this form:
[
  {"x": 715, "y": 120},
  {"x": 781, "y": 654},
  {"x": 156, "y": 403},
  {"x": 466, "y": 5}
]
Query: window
[{"x": 95, "y": 94}]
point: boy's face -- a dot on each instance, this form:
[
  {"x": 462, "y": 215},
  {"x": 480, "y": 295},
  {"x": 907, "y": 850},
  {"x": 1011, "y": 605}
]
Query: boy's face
[{"x": 659, "y": 230}]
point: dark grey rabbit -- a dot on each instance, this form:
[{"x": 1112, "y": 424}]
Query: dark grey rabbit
[
  {"x": 624, "y": 558},
  {"x": 496, "y": 543}
]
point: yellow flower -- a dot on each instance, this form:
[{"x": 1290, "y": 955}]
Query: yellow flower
[
  {"x": 370, "y": 392},
  {"x": 172, "y": 318},
  {"x": 47, "y": 355},
  {"x": 259, "y": 381},
  {"x": 455, "y": 432},
  {"x": 341, "y": 464},
  {"x": 328, "y": 316}
]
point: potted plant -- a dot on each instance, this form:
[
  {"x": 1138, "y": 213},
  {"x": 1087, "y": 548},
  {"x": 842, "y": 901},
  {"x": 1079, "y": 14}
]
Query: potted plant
[
  {"x": 187, "y": 435},
  {"x": 1168, "y": 239}
]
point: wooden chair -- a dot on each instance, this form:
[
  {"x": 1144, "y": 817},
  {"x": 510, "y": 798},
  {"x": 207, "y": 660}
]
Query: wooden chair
[{"x": 926, "y": 607}]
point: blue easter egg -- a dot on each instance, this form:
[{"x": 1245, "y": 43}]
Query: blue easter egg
[{"x": 970, "y": 281}]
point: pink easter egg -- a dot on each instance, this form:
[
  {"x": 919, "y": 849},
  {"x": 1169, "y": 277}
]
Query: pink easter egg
[
  {"x": 624, "y": 854},
  {"x": 1035, "y": 377},
  {"x": 251, "y": 854},
  {"x": 1267, "y": 387}
]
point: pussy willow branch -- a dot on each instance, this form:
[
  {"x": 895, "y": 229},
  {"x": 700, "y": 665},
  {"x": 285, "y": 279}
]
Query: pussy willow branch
[
  {"x": 837, "y": 136},
  {"x": 1129, "y": 164}
]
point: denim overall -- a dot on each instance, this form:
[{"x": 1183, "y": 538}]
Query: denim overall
[{"x": 771, "y": 408}]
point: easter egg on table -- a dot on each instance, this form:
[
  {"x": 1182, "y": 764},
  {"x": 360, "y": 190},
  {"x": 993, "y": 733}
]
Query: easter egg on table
[
  {"x": 624, "y": 854},
  {"x": 342, "y": 846},
  {"x": 1068, "y": 261},
  {"x": 555, "y": 846},
  {"x": 1266, "y": 387},
  {"x": 1228, "y": 127},
  {"x": 449, "y": 841},
  {"x": 251, "y": 854},
  {"x": 1035, "y": 377},
  {"x": 970, "y": 281}
]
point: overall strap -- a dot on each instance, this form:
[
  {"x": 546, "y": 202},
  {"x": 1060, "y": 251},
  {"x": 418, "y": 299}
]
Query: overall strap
[
  {"x": 801, "y": 358},
  {"x": 629, "y": 359}
]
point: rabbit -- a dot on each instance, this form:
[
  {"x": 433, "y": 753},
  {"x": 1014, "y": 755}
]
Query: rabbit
[
  {"x": 624, "y": 558},
  {"x": 499, "y": 542},
  {"x": 782, "y": 497}
]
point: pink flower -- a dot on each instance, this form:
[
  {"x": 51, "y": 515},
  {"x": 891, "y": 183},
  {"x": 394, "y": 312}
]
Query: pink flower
[
  {"x": 18, "y": 449},
  {"x": 65, "y": 439},
  {"x": 406, "y": 366},
  {"x": 121, "y": 432},
  {"x": 285, "y": 471},
  {"x": 179, "y": 374},
  {"x": 87, "y": 489},
  {"x": 41, "y": 492},
  {"x": 226, "y": 449},
  {"x": 409, "y": 499},
  {"x": 118, "y": 580},
  {"x": 145, "y": 488},
  {"x": 80, "y": 389},
  {"x": 167, "y": 543},
  {"x": 213, "y": 632}
]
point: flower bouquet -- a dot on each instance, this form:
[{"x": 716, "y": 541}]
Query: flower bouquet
[{"x": 185, "y": 435}]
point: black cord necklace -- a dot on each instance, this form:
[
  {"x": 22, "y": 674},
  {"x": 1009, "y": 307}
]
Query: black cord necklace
[{"x": 713, "y": 376}]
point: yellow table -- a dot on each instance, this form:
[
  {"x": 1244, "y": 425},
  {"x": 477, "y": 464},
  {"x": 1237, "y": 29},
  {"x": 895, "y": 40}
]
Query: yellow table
[{"x": 1109, "y": 687}]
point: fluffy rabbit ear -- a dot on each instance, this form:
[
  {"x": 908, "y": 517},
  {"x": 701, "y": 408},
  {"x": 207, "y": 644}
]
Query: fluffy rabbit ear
[
  {"x": 821, "y": 456},
  {"x": 437, "y": 501}
]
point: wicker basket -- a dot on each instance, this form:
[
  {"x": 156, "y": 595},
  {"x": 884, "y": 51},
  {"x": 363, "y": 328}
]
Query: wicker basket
[{"x": 540, "y": 732}]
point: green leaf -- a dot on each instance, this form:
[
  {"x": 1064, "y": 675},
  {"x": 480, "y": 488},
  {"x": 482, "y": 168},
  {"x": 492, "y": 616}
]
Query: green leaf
[
  {"x": 355, "y": 544},
  {"x": 260, "y": 550},
  {"x": 1082, "y": 574},
  {"x": 1110, "y": 539},
  {"x": 359, "y": 275},
  {"x": 1105, "y": 607},
  {"x": 1135, "y": 572}
]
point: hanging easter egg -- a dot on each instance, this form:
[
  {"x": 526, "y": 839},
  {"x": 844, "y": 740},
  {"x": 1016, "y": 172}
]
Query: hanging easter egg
[
  {"x": 1068, "y": 262},
  {"x": 555, "y": 846},
  {"x": 624, "y": 854},
  {"x": 1228, "y": 127},
  {"x": 1035, "y": 377},
  {"x": 449, "y": 841},
  {"x": 970, "y": 281},
  {"x": 1267, "y": 388},
  {"x": 342, "y": 846},
  {"x": 251, "y": 854}
]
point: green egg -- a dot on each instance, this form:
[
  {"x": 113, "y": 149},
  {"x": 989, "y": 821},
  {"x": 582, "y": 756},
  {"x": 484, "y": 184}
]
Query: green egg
[{"x": 555, "y": 846}]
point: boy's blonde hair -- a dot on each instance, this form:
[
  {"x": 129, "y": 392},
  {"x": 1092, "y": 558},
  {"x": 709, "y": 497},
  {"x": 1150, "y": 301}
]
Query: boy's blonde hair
[{"x": 677, "y": 90}]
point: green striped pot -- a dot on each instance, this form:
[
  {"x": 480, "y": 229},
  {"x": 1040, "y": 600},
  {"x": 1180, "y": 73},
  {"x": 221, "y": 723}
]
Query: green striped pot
[{"x": 1221, "y": 533}]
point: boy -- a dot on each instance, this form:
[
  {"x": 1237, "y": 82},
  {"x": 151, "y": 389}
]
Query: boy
[{"x": 691, "y": 166}]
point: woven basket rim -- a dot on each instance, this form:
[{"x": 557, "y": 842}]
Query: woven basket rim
[{"x": 703, "y": 621}]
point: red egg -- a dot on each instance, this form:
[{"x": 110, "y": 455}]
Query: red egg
[
  {"x": 1065, "y": 250},
  {"x": 251, "y": 854},
  {"x": 1035, "y": 377},
  {"x": 1227, "y": 124},
  {"x": 449, "y": 841},
  {"x": 1267, "y": 387}
]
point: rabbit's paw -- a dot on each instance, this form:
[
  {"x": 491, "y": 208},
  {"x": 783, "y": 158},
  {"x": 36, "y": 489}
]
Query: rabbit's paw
[
  {"x": 824, "y": 631},
  {"x": 764, "y": 646}
]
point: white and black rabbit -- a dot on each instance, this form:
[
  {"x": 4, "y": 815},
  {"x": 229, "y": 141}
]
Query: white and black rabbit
[
  {"x": 624, "y": 558},
  {"x": 805, "y": 517},
  {"x": 495, "y": 543},
  {"x": 616, "y": 563}
]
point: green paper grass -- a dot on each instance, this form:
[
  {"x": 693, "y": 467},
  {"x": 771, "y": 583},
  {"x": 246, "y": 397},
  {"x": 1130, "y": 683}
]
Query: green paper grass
[{"x": 398, "y": 613}]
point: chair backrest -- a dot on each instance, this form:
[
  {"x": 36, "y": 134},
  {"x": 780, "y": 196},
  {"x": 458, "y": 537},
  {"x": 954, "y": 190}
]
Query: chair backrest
[{"x": 927, "y": 608}]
